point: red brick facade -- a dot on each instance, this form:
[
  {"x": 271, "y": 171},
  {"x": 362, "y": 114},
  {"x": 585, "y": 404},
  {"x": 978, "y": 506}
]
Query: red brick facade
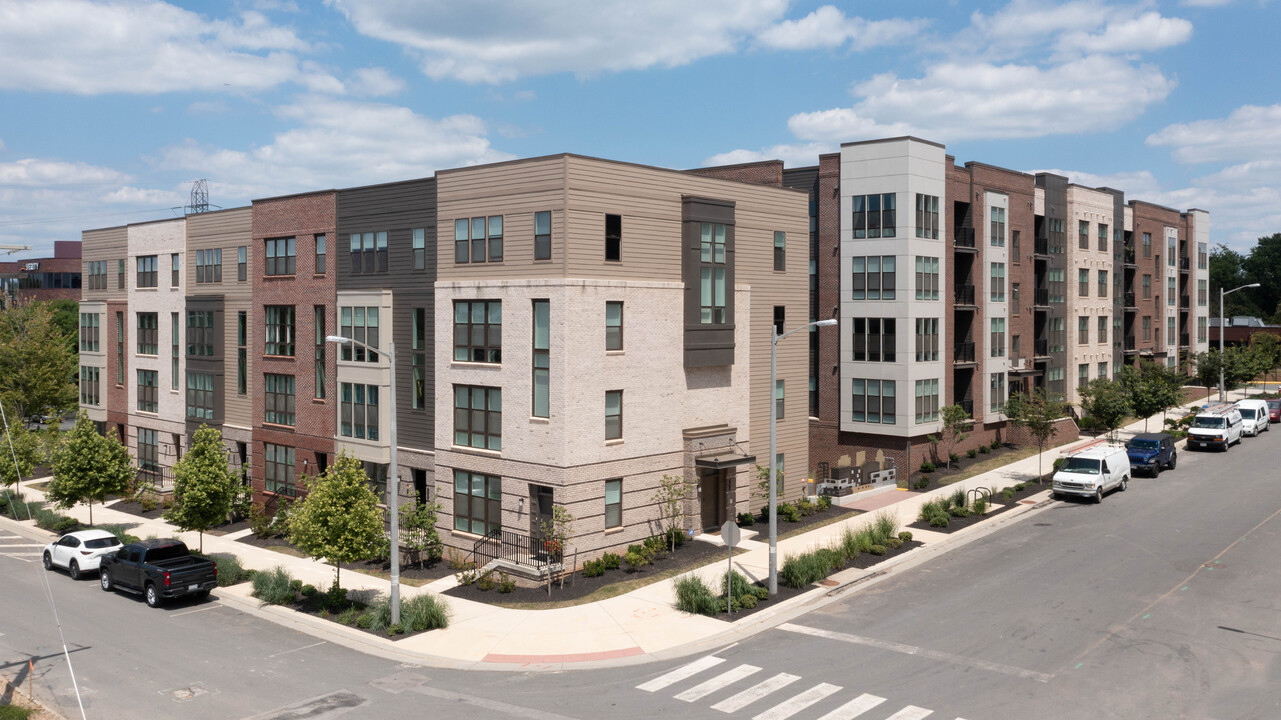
[{"x": 766, "y": 172}]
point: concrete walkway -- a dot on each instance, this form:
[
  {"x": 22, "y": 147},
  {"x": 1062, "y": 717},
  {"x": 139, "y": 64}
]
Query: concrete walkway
[{"x": 639, "y": 626}]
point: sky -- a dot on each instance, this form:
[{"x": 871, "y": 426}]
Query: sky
[{"x": 112, "y": 109}]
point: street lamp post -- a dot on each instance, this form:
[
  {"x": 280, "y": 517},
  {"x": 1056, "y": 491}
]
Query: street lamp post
[
  {"x": 1222, "y": 327},
  {"x": 773, "y": 446},
  {"x": 393, "y": 476}
]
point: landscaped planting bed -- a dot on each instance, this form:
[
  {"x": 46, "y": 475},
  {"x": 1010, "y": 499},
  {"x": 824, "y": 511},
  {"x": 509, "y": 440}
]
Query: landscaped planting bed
[
  {"x": 958, "y": 510},
  {"x": 418, "y": 613}
]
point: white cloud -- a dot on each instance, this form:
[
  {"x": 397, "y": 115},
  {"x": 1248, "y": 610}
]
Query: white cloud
[
  {"x": 151, "y": 197},
  {"x": 139, "y": 46},
  {"x": 1149, "y": 31},
  {"x": 1140, "y": 184},
  {"x": 1249, "y": 132},
  {"x": 35, "y": 172},
  {"x": 791, "y": 155},
  {"x": 489, "y": 41},
  {"x": 1071, "y": 28},
  {"x": 1205, "y": 3},
  {"x": 375, "y": 81},
  {"x": 828, "y": 27}
]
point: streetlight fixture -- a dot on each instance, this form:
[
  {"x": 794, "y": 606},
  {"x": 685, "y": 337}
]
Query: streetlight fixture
[
  {"x": 393, "y": 476},
  {"x": 1222, "y": 327},
  {"x": 773, "y": 446}
]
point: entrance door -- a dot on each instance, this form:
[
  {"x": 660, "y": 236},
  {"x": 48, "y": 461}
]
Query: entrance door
[
  {"x": 542, "y": 509},
  {"x": 712, "y": 499}
]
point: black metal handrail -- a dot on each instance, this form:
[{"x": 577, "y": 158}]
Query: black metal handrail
[
  {"x": 1130, "y": 343},
  {"x": 1129, "y": 300},
  {"x": 964, "y": 294},
  {"x": 1042, "y": 246},
  {"x": 1185, "y": 302},
  {"x": 967, "y": 406},
  {"x": 963, "y": 352},
  {"x": 1129, "y": 255},
  {"x": 1185, "y": 263},
  {"x": 1041, "y": 296},
  {"x": 500, "y": 544},
  {"x": 1041, "y": 347},
  {"x": 963, "y": 237},
  {"x": 159, "y": 478}
]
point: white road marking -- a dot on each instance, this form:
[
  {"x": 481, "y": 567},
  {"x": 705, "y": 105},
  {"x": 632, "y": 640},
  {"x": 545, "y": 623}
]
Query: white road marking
[
  {"x": 854, "y": 708},
  {"x": 21, "y": 545},
  {"x": 681, "y": 673},
  {"x": 486, "y": 704},
  {"x": 734, "y": 703},
  {"x": 211, "y": 607},
  {"x": 911, "y": 712},
  {"x": 304, "y": 647},
  {"x": 921, "y": 652},
  {"x": 788, "y": 708},
  {"x": 19, "y": 557},
  {"x": 724, "y": 679}
]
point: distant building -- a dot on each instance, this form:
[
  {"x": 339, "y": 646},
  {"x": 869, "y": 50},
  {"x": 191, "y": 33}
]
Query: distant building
[
  {"x": 55, "y": 278},
  {"x": 1240, "y": 329}
]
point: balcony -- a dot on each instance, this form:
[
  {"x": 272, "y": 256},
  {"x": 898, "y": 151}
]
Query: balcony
[
  {"x": 1041, "y": 348},
  {"x": 1185, "y": 264},
  {"x": 1130, "y": 344},
  {"x": 1128, "y": 256},
  {"x": 1042, "y": 247},
  {"x": 1185, "y": 302},
  {"x": 965, "y": 294},
  {"x": 963, "y": 237},
  {"x": 1041, "y": 297},
  {"x": 1129, "y": 301},
  {"x": 963, "y": 352},
  {"x": 1184, "y": 340},
  {"x": 966, "y": 405}
]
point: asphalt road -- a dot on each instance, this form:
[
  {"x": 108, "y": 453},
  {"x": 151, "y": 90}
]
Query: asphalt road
[{"x": 1163, "y": 602}]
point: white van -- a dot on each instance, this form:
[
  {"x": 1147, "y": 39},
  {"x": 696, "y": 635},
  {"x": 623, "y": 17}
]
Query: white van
[
  {"x": 1092, "y": 472},
  {"x": 1216, "y": 426},
  {"x": 1254, "y": 416}
]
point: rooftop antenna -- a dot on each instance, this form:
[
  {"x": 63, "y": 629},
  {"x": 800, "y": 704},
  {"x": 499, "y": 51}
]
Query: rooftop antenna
[{"x": 199, "y": 197}]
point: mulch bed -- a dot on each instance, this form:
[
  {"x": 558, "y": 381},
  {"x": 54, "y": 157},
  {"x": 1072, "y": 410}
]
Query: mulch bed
[
  {"x": 956, "y": 523},
  {"x": 408, "y": 571},
  {"x": 761, "y": 523},
  {"x": 313, "y": 607},
  {"x": 941, "y": 473},
  {"x": 133, "y": 507},
  {"x": 228, "y": 528}
]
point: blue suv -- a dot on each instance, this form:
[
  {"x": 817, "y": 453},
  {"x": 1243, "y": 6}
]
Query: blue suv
[{"x": 1151, "y": 452}]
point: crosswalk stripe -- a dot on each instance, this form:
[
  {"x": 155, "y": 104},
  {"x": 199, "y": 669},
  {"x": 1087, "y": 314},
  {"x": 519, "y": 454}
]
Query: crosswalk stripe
[
  {"x": 710, "y": 686},
  {"x": 854, "y": 708},
  {"x": 17, "y": 557},
  {"x": 681, "y": 673},
  {"x": 797, "y": 703},
  {"x": 911, "y": 712},
  {"x": 734, "y": 703}
]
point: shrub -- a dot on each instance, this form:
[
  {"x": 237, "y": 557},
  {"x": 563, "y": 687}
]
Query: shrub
[
  {"x": 486, "y": 582},
  {"x": 308, "y": 591},
  {"x": 275, "y": 587},
  {"x": 336, "y": 598},
  {"x": 395, "y": 629},
  {"x": 805, "y": 507},
  {"x": 747, "y": 602},
  {"x": 638, "y": 549},
  {"x": 980, "y": 506},
  {"x": 788, "y": 512},
  {"x": 593, "y": 568},
  {"x": 655, "y": 544},
  {"x": 922, "y": 483},
  {"x": 849, "y": 544},
  {"x": 505, "y": 582},
  {"x": 983, "y": 449},
  {"x": 996, "y": 445},
  {"x": 379, "y": 614},
  {"x": 1020, "y": 486},
  {"x": 959, "y": 511},
  {"x": 939, "y": 521},
  {"x": 905, "y": 536},
  {"x": 884, "y": 526},
  {"x": 675, "y": 537},
  {"x": 612, "y": 561},
  {"x": 635, "y": 561},
  {"x": 456, "y": 559},
  {"x": 259, "y": 520},
  {"x": 878, "y": 550},
  {"x": 927, "y": 467},
  {"x": 957, "y": 498},
  {"x": 125, "y": 538},
  {"x": 740, "y": 585},
  {"x": 954, "y": 458},
  {"x": 810, "y": 567},
  {"x": 365, "y": 620},
  {"x": 929, "y": 509},
  {"x": 971, "y": 453},
  {"x": 824, "y": 502},
  {"x": 64, "y": 524},
  {"x": 348, "y": 616},
  {"x": 1058, "y": 464},
  {"x": 424, "y": 612},
  {"x": 746, "y": 519},
  {"x": 893, "y": 543},
  {"x": 1008, "y": 493},
  {"x": 230, "y": 571},
  {"x": 148, "y": 501},
  {"x": 467, "y": 576},
  {"x": 693, "y": 596}
]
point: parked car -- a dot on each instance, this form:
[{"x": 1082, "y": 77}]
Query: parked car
[
  {"x": 1254, "y": 416},
  {"x": 1274, "y": 410},
  {"x": 159, "y": 569},
  {"x": 1092, "y": 472},
  {"x": 80, "y": 551},
  {"x": 1216, "y": 426},
  {"x": 1151, "y": 452}
]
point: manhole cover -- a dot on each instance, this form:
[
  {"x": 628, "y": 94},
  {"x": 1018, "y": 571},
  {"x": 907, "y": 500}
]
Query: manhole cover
[
  {"x": 188, "y": 693},
  {"x": 828, "y": 583}
]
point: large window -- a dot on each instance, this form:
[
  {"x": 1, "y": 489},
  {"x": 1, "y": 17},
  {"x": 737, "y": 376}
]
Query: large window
[
  {"x": 1103, "y": 283},
  {"x": 148, "y": 342},
  {"x": 874, "y": 216},
  {"x": 90, "y": 390},
  {"x": 242, "y": 263},
  {"x": 418, "y": 360},
  {"x": 478, "y": 331},
  {"x": 1103, "y": 237},
  {"x": 477, "y": 503},
  {"x": 712, "y": 270},
  {"x": 281, "y": 256},
  {"x": 1082, "y": 330},
  {"x": 1083, "y": 282},
  {"x": 1202, "y": 333},
  {"x": 542, "y": 359},
  {"x": 998, "y": 282},
  {"x": 927, "y": 339},
  {"x": 419, "y": 248},
  {"x": 780, "y": 394},
  {"x": 318, "y": 351},
  {"x": 998, "y": 227},
  {"x": 209, "y": 266},
  {"x": 359, "y": 323},
  {"x": 1147, "y": 244},
  {"x": 1103, "y": 330},
  {"x": 478, "y": 417},
  {"x": 1083, "y": 234},
  {"x": 147, "y": 271},
  {"x": 174, "y": 349},
  {"x": 280, "y": 329},
  {"x": 120, "y": 348},
  {"x": 780, "y": 250},
  {"x": 874, "y": 339},
  {"x": 147, "y": 384},
  {"x": 200, "y": 396},
  {"x": 927, "y": 216},
  {"x": 614, "y": 414},
  {"x": 368, "y": 252},
  {"x": 1147, "y": 287},
  {"x": 478, "y": 239},
  {"x": 996, "y": 392},
  {"x": 359, "y": 411},
  {"x": 200, "y": 333},
  {"x": 873, "y": 401},
  {"x": 322, "y": 252},
  {"x": 927, "y": 278},
  {"x": 1170, "y": 292},
  {"x": 614, "y": 238},
  {"x": 242, "y": 353},
  {"x": 927, "y": 401},
  {"x": 89, "y": 332},
  {"x": 998, "y": 337},
  {"x": 148, "y": 450},
  {"x": 613, "y": 504},
  {"x": 1147, "y": 327},
  {"x": 543, "y": 235},
  {"x": 96, "y": 275},
  {"x": 278, "y": 392},
  {"x": 1200, "y": 293},
  {"x": 873, "y": 278},
  {"x": 613, "y": 326},
  {"x": 278, "y": 466}
]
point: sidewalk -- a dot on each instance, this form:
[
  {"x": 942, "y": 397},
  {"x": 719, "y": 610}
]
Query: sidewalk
[{"x": 640, "y": 626}]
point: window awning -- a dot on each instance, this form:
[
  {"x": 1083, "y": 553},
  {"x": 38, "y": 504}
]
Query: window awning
[{"x": 724, "y": 460}]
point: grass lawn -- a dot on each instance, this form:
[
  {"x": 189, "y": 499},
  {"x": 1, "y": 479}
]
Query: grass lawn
[{"x": 991, "y": 463}]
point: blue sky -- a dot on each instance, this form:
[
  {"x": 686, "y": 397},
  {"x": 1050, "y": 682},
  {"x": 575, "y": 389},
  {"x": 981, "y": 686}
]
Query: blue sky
[{"x": 112, "y": 108}]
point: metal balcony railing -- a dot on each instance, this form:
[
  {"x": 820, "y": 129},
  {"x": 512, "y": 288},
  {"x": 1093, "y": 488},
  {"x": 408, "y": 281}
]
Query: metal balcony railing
[
  {"x": 1130, "y": 344},
  {"x": 1185, "y": 264},
  {"x": 963, "y": 237},
  {"x": 964, "y": 294},
  {"x": 1042, "y": 246},
  {"x": 1184, "y": 340},
  {"x": 1185, "y": 302},
  {"x": 159, "y": 478},
  {"x": 1041, "y": 297},
  {"x": 1128, "y": 255},
  {"x": 1129, "y": 301},
  {"x": 963, "y": 352},
  {"x": 1041, "y": 347},
  {"x": 966, "y": 405}
]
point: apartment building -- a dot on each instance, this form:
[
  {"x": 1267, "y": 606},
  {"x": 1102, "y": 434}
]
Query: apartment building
[
  {"x": 104, "y": 315},
  {"x": 51, "y": 278},
  {"x": 1089, "y": 307},
  {"x": 611, "y": 325}
]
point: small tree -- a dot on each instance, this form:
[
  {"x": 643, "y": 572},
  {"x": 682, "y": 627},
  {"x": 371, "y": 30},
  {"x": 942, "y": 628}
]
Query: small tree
[
  {"x": 204, "y": 488},
  {"x": 338, "y": 519},
  {"x": 1152, "y": 388},
  {"x": 418, "y": 532},
  {"x": 1037, "y": 412},
  {"x": 556, "y": 532},
  {"x": 670, "y": 497},
  {"x": 39, "y": 365},
  {"x": 88, "y": 466},
  {"x": 762, "y": 483},
  {"x": 1108, "y": 402},
  {"x": 956, "y": 424},
  {"x": 28, "y": 448}
]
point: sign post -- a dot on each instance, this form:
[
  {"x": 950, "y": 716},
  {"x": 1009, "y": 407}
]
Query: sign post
[{"x": 731, "y": 535}]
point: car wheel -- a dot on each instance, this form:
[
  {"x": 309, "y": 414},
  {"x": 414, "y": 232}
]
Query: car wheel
[
  {"x": 105, "y": 578},
  {"x": 1156, "y": 470},
  {"x": 201, "y": 595},
  {"x": 73, "y": 569},
  {"x": 48, "y": 560},
  {"x": 1098, "y": 495},
  {"x": 153, "y": 596},
  {"x": 1174, "y": 458},
  {"x": 1125, "y": 480}
]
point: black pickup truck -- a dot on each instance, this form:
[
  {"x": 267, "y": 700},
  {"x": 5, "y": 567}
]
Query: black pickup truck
[{"x": 159, "y": 569}]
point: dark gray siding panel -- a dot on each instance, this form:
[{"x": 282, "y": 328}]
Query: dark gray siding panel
[{"x": 706, "y": 345}]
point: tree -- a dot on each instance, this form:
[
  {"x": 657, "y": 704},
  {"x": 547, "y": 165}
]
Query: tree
[
  {"x": 557, "y": 531},
  {"x": 1037, "y": 412},
  {"x": 38, "y": 375},
  {"x": 1152, "y": 388},
  {"x": 19, "y": 442},
  {"x": 1227, "y": 272},
  {"x": 1260, "y": 266},
  {"x": 670, "y": 498},
  {"x": 88, "y": 466},
  {"x": 1268, "y": 346},
  {"x": 955, "y": 424},
  {"x": 204, "y": 488},
  {"x": 1236, "y": 363},
  {"x": 762, "y": 483},
  {"x": 418, "y": 532},
  {"x": 66, "y": 315},
  {"x": 338, "y": 519},
  {"x": 1108, "y": 402}
]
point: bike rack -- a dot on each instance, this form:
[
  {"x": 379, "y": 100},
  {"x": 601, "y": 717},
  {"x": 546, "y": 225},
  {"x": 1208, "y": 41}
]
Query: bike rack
[{"x": 978, "y": 492}]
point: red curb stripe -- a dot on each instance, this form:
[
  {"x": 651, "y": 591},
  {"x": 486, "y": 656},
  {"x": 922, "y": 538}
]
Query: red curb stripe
[{"x": 565, "y": 658}]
